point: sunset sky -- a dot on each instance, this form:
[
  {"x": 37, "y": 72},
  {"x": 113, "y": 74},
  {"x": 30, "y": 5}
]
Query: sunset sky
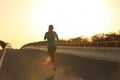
[{"x": 24, "y": 21}]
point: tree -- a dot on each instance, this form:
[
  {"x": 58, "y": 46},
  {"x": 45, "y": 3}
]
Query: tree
[
  {"x": 105, "y": 37},
  {"x": 79, "y": 39}
]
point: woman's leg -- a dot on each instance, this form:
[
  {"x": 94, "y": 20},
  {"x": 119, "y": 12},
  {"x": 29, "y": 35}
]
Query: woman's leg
[{"x": 51, "y": 51}]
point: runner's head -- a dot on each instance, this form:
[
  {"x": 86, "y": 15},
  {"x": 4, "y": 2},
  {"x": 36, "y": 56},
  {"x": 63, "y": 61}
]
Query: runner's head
[{"x": 50, "y": 27}]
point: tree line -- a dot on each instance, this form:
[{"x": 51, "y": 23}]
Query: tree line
[
  {"x": 97, "y": 38},
  {"x": 102, "y": 37}
]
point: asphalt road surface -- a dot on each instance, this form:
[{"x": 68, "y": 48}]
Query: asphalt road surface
[{"x": 29, "y": 64}]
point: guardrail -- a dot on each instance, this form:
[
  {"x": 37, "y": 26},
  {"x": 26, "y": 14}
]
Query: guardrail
[
  {"x": 89, "y": 44},
  {"x": 110, "y": 54}
]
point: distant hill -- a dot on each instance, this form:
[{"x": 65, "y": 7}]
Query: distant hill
[{"x": 31, "y": 44}]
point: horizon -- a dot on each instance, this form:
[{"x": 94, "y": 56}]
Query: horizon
[
  {"x": 25, "y": 21},
  {"x": 89, "y": 38}
]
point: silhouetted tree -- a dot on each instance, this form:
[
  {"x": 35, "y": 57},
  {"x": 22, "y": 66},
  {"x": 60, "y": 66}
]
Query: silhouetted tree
[
  {"x": 79, "y": 39},
  {"x": 105, "y": 37}
]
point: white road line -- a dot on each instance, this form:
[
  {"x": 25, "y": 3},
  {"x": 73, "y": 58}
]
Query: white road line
[{"x": 2, "y": 58}]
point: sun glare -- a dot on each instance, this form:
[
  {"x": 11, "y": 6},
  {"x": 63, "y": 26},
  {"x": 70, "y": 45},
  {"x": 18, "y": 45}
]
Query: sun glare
[
  {"x": 47, "y": 61},
  {"x": 74, "y": 17},
  {"x": 71, "y": 18}
]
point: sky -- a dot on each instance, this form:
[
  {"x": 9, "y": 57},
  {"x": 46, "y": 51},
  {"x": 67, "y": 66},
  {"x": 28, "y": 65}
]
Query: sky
[{"x": 25, "y": 21}]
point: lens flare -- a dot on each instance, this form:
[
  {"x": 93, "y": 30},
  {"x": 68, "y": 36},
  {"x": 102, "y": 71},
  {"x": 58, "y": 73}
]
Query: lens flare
[{"x": 47, "y": 61}]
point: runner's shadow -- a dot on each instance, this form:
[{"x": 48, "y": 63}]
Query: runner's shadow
[{"x": 50, "y": 78}]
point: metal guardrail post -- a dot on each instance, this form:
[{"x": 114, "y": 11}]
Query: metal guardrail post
[{"x": 90, "y": 44}]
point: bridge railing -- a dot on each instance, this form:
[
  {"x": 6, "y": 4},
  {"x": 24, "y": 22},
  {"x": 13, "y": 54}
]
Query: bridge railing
[{"x": 88, "y": 44}]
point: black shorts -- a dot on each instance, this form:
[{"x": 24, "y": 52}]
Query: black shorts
[{"x": 51, "y": 50}]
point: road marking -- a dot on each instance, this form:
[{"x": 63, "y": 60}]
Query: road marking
[{"x": 2, "y": 58}]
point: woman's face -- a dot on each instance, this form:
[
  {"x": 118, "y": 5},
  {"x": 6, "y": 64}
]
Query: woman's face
[{"x": 50, "y": 28}]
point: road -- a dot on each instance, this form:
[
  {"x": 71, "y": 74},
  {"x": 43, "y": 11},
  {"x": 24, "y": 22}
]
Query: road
[
  {"x": 30, "y": 64},
  {"x": 101, "y": 53}
]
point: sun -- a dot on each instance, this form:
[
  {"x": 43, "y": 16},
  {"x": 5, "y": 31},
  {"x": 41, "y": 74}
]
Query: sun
[{"x": 72, "y": 18}]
